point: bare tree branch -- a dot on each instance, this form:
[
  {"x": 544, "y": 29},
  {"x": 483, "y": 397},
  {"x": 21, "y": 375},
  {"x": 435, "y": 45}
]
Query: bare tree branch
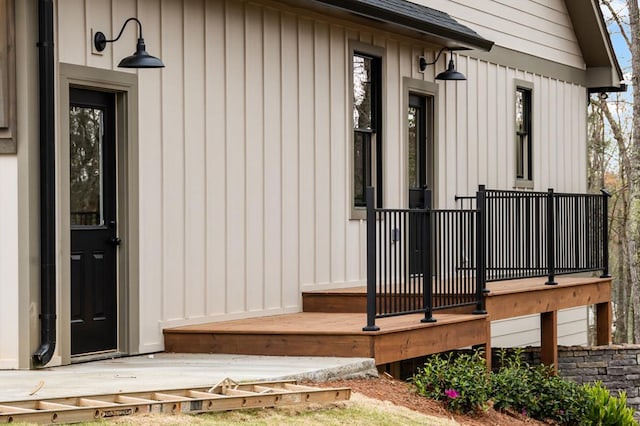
[{"x": 621, "y": 25}]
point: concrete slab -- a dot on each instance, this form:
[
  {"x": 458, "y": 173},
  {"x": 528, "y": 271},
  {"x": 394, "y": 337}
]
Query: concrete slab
[{"x": 172, "y": 371}]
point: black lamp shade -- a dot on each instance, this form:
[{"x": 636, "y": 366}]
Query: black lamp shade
[
  {"x": 451, "y": 73},
  {"x": 141, "y": 59}
]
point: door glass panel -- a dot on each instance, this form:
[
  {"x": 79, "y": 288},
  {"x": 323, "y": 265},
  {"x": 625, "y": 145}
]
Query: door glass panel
[
  {"x": 86, "y": 162},
  {"x": 413, "y": 148}
]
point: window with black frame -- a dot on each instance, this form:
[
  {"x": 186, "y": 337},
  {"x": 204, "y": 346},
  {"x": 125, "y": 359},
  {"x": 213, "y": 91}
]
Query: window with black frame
[
  {"x": 524, "y": 157},
  {"x": 366, "y": 128}
]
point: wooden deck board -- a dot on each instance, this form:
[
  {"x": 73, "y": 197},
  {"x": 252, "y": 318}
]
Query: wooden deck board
[{"x": 319, "y": 323}]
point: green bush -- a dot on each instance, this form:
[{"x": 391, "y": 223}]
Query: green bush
[
  {"x": 461, "y": 382},
  {"x": 602, "y": 409},
  {"x": 535, "y": 391}
]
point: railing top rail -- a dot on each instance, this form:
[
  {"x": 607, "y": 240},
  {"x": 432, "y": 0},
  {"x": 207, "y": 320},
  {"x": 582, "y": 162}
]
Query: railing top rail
[
  {"x": 576, "y": 195},
  {"x": 499, "y": 193},
  {"x": 514, "y": 193},
  {"x": 384, "y": 210}
]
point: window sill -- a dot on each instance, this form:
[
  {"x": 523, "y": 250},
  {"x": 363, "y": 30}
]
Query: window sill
[
  {"x": 523, "y": 184},
  {"x": 358, "y": 213}
]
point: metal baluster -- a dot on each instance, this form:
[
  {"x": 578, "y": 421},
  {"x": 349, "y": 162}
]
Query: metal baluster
[{"x": 371, "y": 262}]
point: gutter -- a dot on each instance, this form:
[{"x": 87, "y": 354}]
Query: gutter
[{"x": 46, "y": 65}]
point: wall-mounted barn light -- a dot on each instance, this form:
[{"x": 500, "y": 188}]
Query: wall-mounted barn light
[
  {"x": 140, "y": 59},
  {"x": 449, "y": 74}
]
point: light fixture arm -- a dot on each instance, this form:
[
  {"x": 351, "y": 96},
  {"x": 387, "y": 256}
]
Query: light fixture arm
[
  {"x": 100, "y": 40},
  {"x": 139, "y": 59},
  {"x": 449, "y": 74},
  {"x": 424, "y": 63}
]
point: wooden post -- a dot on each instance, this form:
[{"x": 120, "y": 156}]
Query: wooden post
[
  {"x": 603, "y": 323},
  {"x": 487, "y": 345},
  {"x": 549, "y": 339},
  {"x": 394, "y": 370}
]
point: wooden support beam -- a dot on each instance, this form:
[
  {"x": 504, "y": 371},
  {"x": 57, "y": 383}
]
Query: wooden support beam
[
  {"x": 549, "y": 339},
  {"x": 603, "y": 323},
  {"x": 487, "y": 346},
  {"x": 395, "y": 370}
]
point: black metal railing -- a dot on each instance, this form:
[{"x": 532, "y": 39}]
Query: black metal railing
[
  {"x": 405, "y": 246},
  {"x": 534, "y": 234},
  {"x": 495, "y": 235}
]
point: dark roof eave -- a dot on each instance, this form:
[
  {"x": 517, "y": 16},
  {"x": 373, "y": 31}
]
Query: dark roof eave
[
  {"x": 609, "y": 89},
  {"x": 439, "y": 31}
]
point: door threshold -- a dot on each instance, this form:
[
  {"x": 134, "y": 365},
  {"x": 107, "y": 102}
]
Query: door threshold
[{"x": 96, "y": 356}]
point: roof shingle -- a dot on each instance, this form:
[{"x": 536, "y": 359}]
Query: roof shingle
[{"x": 417, "y": 17}]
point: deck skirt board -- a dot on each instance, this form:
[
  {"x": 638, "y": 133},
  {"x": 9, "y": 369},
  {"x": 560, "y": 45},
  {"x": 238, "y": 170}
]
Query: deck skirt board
[{"x": 532, "y": 296}]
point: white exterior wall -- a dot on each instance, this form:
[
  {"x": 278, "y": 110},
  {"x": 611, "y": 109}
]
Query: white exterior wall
[
  {"x": 525, "y": 331},
  {"x": 244, "y": 147},
  {"x": 9, "y": 279},
  {"x": 539, "y": 28},
  {"x": 476, "y": 140}
]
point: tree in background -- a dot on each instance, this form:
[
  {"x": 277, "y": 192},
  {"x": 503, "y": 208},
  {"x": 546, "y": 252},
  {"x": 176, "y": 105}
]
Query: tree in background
[{"x": 614, "y": 163}]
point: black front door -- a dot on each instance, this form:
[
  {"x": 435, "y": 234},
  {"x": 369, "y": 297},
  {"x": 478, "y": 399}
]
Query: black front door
[{"x": 93, "y": 221}]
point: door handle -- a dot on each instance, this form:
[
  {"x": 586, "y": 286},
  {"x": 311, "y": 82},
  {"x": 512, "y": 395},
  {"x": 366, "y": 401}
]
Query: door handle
[{"x": 115, "y": 241}]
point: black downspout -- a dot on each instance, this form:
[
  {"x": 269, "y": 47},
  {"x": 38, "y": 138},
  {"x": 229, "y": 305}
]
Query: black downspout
[{"x": 47, "y": 186}]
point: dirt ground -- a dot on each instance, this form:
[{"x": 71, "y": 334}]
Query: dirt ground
[{"x": 400, "y": 393}]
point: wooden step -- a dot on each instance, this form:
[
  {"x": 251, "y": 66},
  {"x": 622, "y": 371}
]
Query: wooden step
[{"x": 354, "y": 300}]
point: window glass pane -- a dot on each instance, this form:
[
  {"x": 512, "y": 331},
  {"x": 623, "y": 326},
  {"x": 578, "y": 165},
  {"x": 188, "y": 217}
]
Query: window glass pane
[
  {"x": 519, "y": 157},
  {"x": 524, "y": 163},
  {"x": 85, "y": 134},
  {"x": 413, "y": 148},
  {"x": 361, "y": 167},
  {"x": 362, "y": 93},
  {"x": 519, "y": 111}
]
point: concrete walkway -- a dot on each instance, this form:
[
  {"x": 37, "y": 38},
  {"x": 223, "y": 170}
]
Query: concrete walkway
[{"x": 172, "y": 371}]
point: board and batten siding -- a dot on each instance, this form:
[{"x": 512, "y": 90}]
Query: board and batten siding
[
  {"x": 244, "y": 147},
  {"x": 476, "y": 131},
  {"x": 525, "y": 331},
  {"x": 539, "y": 28},
  {"x": 11, "y": 296}
]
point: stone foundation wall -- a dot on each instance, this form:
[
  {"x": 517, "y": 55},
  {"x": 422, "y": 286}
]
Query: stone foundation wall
[{"x": 616, "y": 366}]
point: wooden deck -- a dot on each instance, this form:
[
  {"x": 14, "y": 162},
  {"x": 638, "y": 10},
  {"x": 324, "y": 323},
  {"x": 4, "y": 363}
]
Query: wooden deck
[{"x": 332, "y": 321}]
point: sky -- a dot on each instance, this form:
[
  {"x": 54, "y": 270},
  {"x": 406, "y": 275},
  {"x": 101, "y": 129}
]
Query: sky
[{"x": 619, "y": 45}]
